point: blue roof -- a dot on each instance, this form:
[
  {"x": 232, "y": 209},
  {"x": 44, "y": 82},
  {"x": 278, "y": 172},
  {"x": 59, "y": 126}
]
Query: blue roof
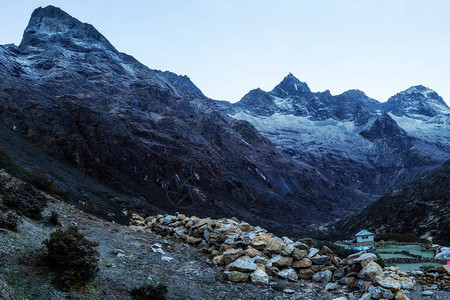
[{"x": 364, "y": 232}]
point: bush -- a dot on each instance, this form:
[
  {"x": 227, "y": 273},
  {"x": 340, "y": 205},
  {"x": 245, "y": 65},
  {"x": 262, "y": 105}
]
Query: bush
[
  {"x": 26, "y": 201},
  {"x": 72, "y": 257},
  {"x": 150, "y": 292},
  {"x": 9, "y": 221},
  {"x": 53, "y": 219},
  {"x": 399, "y": 237}
]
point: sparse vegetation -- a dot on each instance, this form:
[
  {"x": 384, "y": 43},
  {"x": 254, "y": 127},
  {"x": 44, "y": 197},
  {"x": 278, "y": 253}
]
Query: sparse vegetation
[
  {"x": 150, "y": 292},
  {"x": 399, "y": 237},
  {"x": 9, "y": 220},
  {"x": 53, "y": 219},
  {"x": 72, "y": 257},
  {"x": 26, "y": 201}
]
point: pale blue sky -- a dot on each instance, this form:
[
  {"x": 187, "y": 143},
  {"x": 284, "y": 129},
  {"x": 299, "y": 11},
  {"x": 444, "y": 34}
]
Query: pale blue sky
[{"x": 230, "y": 47}]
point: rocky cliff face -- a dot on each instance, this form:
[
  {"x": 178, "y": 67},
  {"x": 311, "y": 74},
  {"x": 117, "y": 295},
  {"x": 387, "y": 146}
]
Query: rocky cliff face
[
  {"x": 353, "y": 140},
  {"x": 422, "y": 207},
  {"x": 151, "y": 134}
]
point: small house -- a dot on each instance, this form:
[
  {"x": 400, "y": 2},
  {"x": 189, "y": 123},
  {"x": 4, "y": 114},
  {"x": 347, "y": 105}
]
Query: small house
[{"x": 364, "y": 236}]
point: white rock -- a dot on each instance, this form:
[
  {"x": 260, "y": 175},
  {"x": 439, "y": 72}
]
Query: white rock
[
  {"x": 243, "y": 264},
  {"x": 312, "y": 252},
  {"x": 166, "y": 258},
  {"x": 259, "y": 276},
  {"x": 289, "y": 274},
  {"x": 288, "y": 291}
]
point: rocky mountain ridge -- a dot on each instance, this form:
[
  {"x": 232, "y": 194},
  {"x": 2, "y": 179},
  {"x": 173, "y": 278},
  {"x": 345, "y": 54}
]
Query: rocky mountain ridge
[
  {"x": 421, "y": 208},
  {"x": 151, "y": 135},
  {"x": 352, "y": 139}
]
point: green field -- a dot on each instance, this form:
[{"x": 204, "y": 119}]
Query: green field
[
  {"x": 393, "y": 255},
  {"x": 414, "y": 249},
  {"x": 415, "y": 266}
]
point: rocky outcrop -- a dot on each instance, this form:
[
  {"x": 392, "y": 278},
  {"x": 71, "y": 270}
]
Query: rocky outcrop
[{"x": 421, "y": 208}]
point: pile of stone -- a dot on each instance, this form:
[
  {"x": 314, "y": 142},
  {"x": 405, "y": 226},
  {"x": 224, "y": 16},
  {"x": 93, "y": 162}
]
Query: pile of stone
[
  {"x": 249, "y": 253},
  {"x": 360, "y": 271},
  {"x": 439, "y": 278}
]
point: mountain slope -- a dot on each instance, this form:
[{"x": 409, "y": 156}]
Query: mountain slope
[
  {"x": 352, "y": 139},
  {"x": 149, "y": 134},
  {"x": 422, "y": 207}
]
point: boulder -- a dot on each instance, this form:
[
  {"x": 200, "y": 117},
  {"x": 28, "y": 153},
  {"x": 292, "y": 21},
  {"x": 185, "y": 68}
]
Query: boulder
[
  {"x": 387, "y": 283},
  {"x": 350, "y": 281},
  {"x": 303, "y": 263},
  {"x": 400, "y": 295},
  {"x": 317, "y": 268},
  {"x": 275, "y": 245},
  {"x": 218, "y": 260},
  {"x": 298, "y": 254},
  {"x": 321, "y": 260},
  {"x": 242, "y": 264},
  {"x": 288, "y": 249},
  {"x": 326, "y": 251},
  {"x": 359, "y": 257},
  {"x": 331, "y": 286},
  {"x": 235, "y": 276},
  {"x": 312, "y": 252},
  {"x": 370, "y": 270},
  {"x": 376, "y": 292},
  {"x": 168, "y": 219},
  {"x": 406, "y": 283},
  {"x": 305, "y": 273},
  {"x": 322, "y": 276},
  {"x": 244, "y": 227},
  {"x": 365, "y": 296},
  {"x": 387, "y": 294},
  {"x": 288, "y": 274},
  {"x": 259, "y": 276},
  {"x": 251, "y": 252},
  {"x": 301, "y": 246},
  {"x": 194, "y": 240},
  {"x": 339, "y": 273},
  {"x": 231, "y": 255},
  {"x": 281, "y": 261}
]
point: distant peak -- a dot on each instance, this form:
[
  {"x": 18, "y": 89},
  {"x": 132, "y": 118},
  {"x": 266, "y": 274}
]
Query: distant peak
[
  {"x": 290, "y": 85},
  {"x": 50, "y": 12},
  {"x": 51, "y": 25}
]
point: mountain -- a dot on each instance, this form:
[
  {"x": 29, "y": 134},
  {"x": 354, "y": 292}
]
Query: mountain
[
  {"x": 416, "y": 102},
  {"x": 352, "y": 139},
  {"x": 422, "y": 208},
  {"x": 151, "y": 136}
]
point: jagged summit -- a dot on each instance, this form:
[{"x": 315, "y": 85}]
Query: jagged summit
[
  {"x": 417, "y": 101},
  {"x": 290, "y": 85},
  {"x": 51, "y": 24}
]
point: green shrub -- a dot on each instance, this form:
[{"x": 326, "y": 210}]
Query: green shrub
[
  {"x": 72, "y": 257},
  {"x": 9, "y": 221},
  {"x": 150, "y": 292},
  {"x": 407, "y": 237},
  {"x": 26, "y": 201}
]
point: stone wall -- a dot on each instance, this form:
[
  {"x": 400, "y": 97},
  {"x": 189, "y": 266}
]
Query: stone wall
[{"x": 248, "y": 253}]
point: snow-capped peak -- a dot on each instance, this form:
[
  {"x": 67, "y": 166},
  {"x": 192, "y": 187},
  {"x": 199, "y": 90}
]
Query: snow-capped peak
[
  {"x": 52, "y": 25},
  {"x": 417, "y": 101},
  {"x": 290, "y": 85}
]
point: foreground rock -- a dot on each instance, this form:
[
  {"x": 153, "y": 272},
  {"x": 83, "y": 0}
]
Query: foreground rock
[{"x": 248, "y": 253}]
